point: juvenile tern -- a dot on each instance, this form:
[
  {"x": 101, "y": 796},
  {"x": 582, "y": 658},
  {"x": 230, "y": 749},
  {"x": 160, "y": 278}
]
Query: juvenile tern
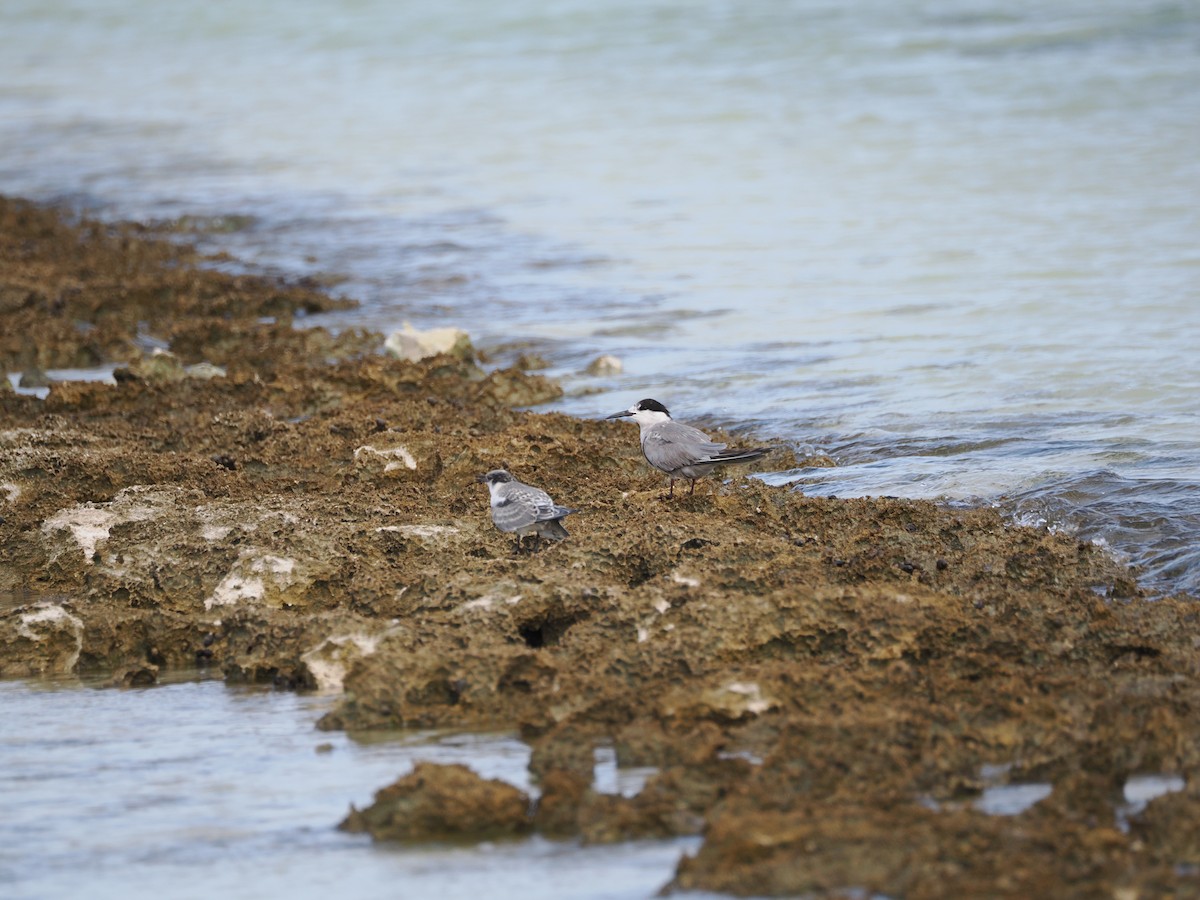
[{"x": 523, "y": 509}]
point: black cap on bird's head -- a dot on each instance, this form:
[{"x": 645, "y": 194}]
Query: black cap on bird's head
[
  {"x": 646, "y": 405},
  {"x": 496, "y": 476}
]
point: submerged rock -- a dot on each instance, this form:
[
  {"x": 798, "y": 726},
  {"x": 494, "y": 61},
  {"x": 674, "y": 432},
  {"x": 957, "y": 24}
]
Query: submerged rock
[
  {"x": 443, "y": 803},
  {"x": 605, "y": 365},
  {"x": 138, "y": 675},
  {"x": 530, "y": 362},
  {"x": 34, "y": 378}
]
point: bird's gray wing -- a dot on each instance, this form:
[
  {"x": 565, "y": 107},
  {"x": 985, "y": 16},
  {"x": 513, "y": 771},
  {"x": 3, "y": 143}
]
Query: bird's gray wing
[
  {"x": 510, "y": 513},
  {"x": 674, "y": 445},
  {"x": 537, "y": 502}
]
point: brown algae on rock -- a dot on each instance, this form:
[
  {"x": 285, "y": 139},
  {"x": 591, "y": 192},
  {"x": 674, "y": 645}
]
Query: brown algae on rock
[
  {"x": 443, "y": 803},
  {"x": 822, "y": 687}
]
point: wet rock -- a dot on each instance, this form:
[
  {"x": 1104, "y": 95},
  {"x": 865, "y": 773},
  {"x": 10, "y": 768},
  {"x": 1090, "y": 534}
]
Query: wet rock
[
  {"x": 328, "y": 661},
  {"x": 561, "y": 799},
  {"x": 825, "y": 849},
  {"x": 160, "y": 366},
  {"x": 605, "y": 366},
  {"x": 277, "y": 670},
  {"x": 34, "y": 378},
  {"x": 512, "y": 387},
  {"x": 82, "y": 306},
  {"x": 137, "y": 675},
  {"x": 815, "y": 461},
  {"x": 443, "y": 803},
  {"x": 410, "y": 344},
  {"x": 530, "y": 362},
  {"x": 43, "y": 639},
  {"x": 1169, "y": 825}
]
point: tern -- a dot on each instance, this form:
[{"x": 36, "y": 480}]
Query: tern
[
  {"x": 523, "y": 508},
  {"x": 681, "y": 450}
]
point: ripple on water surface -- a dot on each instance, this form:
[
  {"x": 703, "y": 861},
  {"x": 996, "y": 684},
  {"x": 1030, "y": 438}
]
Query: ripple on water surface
[{"x": 195, "y": 789}]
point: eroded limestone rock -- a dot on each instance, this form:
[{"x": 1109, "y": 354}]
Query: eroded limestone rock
[{"x": 443, "y": 803}]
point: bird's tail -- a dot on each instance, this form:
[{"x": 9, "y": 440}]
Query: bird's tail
[
  {"x": 741, "y": 455},
  {"x": 554, "y": 529}
]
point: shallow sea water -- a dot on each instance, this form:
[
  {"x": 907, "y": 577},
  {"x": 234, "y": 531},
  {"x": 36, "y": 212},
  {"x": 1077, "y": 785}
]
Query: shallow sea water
[{"x": 195, "y": 789}]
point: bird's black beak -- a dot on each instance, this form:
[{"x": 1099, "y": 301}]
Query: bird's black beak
[
  {"x": 481, "y": 478},
  {"x": 620, "y": 415}
]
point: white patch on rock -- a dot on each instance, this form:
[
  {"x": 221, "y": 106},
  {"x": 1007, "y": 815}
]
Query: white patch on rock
[
  {"x": 393, "y": 458},
  {"x": 205, "y": 370},
  {"x": 733, "y": 700},
  {"x": 89, "y": 525},
  {"x": 643, "y": 634},
  {"x": 330, "y": 659},
  {"x": 215, "y": 532},
  {"x": 752, "y": 758},
  {"x": 661, "y": 606},
  {"x": 411, "y": 344},
  {"x": 249, "y": 577},
  {"x": 12, "y": 491},
  {"x": 234, "y": 589},
  {"x": 420, "y": 531},
  {"x": 491, "y": 599},
  {"x": 685, "y": 580},
  {"x": 755, "y": 703},
  {"x": 41, "y": 622}
]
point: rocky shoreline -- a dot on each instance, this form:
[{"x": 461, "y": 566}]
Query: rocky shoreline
[{"x": 826, "y": 687}]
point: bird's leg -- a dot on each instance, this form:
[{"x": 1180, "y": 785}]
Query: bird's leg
[
  {"x": 671, "y": 493},
  {"x": 693, "y": 490},
  {"x": 517, "y": 549}
]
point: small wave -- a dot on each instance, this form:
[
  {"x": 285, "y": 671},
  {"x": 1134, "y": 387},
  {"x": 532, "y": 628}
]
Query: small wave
[{"x": 1153, "y": 524}]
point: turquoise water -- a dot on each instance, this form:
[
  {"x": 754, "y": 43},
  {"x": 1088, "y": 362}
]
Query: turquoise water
[
  {"x": 195, "y": 790},
  {"x": 953, "y": 245}
]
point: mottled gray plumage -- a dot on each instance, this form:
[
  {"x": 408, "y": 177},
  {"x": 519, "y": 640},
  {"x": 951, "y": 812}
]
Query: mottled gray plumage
[
  {"x": 522, "y": 509},
  {"x": 680, "y": 450}
]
